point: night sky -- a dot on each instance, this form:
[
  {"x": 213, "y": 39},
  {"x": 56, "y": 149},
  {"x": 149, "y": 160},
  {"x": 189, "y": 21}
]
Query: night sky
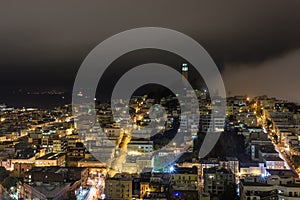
[{"x": 256, "y": 44}]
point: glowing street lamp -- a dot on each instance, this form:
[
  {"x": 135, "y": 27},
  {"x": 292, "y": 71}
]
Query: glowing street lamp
[{"x": 171, "y": 169}]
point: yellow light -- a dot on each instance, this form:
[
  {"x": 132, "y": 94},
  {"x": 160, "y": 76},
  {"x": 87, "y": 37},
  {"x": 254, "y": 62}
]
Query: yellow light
[{"x": 134, "y": 153}]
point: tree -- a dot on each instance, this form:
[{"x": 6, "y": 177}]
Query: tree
[
  {"x": 269, "y": 123},
  {"x": 9, "y": 182},
  {"x": 296, "y": 161},
  {"x": 3, "y": 174},
  {"x": 229, "y": 193}
]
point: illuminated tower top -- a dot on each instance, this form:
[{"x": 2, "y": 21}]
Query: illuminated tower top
[{"x": 185, "y": 70}]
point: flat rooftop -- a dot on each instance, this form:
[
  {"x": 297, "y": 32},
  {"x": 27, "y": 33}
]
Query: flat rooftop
[{"x": 51, "y": 156}]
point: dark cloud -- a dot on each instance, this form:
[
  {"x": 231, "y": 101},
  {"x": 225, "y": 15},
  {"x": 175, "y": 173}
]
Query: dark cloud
[
  {"x": 44, "y": 43},
  {"x": 277, "y": 77}
]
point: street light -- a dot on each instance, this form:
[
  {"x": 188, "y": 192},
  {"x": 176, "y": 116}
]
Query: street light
[{"x": 171, "y": 169}]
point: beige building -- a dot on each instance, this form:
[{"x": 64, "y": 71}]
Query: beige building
[
  {"x": 141, "y": 146},
  {"x": 250, "y": 190},
  {"x": 274, "y": 163},
  {"x": 59, "y": 145},
  {"x": 112, "y": 132},
  {"x": 21, "y": 168},
  {"x": 273, "y": 187},
  {"x": 51, "y": 159},
  {"x": 216, "y": 180},
  {"x": 289, "y": 192},
  {"x": 119, "y": 187}
]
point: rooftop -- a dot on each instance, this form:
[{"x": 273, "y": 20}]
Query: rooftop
[
  {"x": 273, "y": 159},
  {"x": 51, "y": 156},
  {"x": 50, "y": 190},
  {"x": 214, "y": 170}
]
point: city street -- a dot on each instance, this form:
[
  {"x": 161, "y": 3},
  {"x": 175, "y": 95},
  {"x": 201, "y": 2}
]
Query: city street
[
  {"x": 287, "y": 163},
  {"x": 117, "y": 163}
]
